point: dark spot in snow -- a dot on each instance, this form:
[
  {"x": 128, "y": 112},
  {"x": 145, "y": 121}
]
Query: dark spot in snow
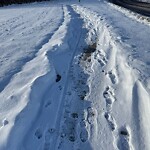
[
  {"x": 47, "y": 104},
  {"x": 89, "y": 60},
  {"x": 105, "y": 94},
  {"x": 74, "y": 115},
  {"x": 133, "y": 46},
  {"x": 88, "y": 52},
  {"x": 58, "y": 78},
  {"x": 72, "y": 138},
  {"x": 51, "y": 130},
  {"x": 148, "y": 63},
  {"x": 63, "y": 135},
  {"x": 91, "y": 48},
  {"x": 82, "y": 97},
  {"x": 122, "y": 132},
  {"x": 110, "y": 72},
  {"x": 106, "y": 116},
  {"x": 5, "y": 122},
  {"x": 112, "y": 127}
]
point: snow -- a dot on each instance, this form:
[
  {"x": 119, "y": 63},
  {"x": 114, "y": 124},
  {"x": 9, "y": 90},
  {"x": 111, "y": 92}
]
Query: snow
[{"x": 74, "y": 76}]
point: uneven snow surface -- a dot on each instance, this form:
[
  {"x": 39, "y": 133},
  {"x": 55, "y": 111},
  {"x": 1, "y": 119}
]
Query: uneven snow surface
[{"x": 74, "y": 76}]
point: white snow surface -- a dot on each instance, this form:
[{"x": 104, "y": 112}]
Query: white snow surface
[{"x": 74, "y": 76}]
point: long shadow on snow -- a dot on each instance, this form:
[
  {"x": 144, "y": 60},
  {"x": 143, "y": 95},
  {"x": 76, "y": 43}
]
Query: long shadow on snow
[
  {"x": 136, "y": 115},
  {"x": 69, "y": 125},
  {"x": 31, "y": 114}
]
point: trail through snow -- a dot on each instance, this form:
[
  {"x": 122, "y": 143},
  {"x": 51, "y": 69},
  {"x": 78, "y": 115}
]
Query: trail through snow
[{"x": 74, "y": 76}]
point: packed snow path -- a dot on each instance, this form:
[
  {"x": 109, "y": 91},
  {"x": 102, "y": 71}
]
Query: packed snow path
[{"x": 74, "y": 77}]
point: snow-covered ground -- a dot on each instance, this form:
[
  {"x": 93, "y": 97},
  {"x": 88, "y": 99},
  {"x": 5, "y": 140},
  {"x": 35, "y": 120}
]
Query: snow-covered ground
[{"x": 74, "y": 76}]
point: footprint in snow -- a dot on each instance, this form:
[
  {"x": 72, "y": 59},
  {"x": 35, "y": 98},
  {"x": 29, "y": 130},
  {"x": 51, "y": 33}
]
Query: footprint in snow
[
  {"x": 110, "y": 120},
  {"x": 83, "y": 123},
  {"x": 84, "y": 135},
  {"x": 92, "y": 115},
  {"x": 102, "y": 63},
  {"x": 69, "y": 128},
  {"x": 109, "y": 98},
  {"x": 47, "y": 140},
  {"x": 74, "y": 115},
  {"x": 100, "y": 58},
  {"x": 124, "y": 139},
  {"x": 83, "y": 132},
  {"x": 113, "y": 77},
  {"x": 38, "y": 133}
]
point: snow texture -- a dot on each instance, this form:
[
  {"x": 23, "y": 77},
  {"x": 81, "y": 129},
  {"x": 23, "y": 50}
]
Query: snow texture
[{"x": 74, "y": 76}]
